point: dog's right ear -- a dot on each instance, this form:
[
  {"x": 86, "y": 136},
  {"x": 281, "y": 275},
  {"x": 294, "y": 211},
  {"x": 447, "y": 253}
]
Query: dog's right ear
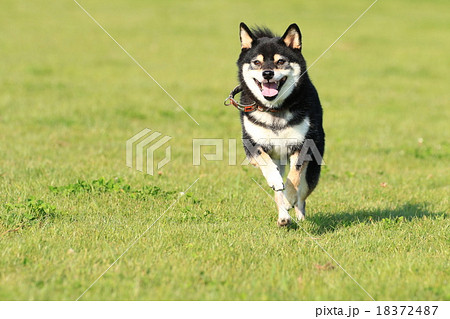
[{"x": 246, "y": 36}]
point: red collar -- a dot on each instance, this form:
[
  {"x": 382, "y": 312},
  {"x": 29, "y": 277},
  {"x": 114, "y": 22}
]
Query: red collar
[{"x": 243, "y": 107}]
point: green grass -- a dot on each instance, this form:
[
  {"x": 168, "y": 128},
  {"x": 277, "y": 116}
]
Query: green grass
[{"x": 70, "y": 98}]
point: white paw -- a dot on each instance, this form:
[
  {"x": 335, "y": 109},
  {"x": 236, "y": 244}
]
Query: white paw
[
  {"x": 283, "y": 222},
  {"x": 275, "y": 181},
  {"x": 283, "y": 218}
]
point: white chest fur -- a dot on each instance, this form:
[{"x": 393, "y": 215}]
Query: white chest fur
[{"x": 280, "y": 139}]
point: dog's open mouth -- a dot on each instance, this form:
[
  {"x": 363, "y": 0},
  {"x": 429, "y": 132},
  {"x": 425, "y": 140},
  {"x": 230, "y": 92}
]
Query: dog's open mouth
[{"x": 270, "y": 89}]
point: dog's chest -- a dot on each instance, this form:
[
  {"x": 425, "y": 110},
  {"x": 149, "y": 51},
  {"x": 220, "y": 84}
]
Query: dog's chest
[{"x": 278, "y": 140}]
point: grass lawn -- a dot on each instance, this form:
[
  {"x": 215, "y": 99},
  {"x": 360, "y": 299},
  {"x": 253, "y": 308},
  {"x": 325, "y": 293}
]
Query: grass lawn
[{"x": 69, "y": 206}]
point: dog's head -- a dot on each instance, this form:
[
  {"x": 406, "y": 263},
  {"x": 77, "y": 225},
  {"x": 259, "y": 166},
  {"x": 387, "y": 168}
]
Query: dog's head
[{"x": 270, "y": 67}]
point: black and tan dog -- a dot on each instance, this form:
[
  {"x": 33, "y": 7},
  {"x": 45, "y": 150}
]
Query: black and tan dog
[{"x": 280, "y": 111}]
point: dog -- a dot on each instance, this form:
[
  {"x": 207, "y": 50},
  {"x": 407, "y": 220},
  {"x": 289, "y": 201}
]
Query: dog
[{"x": 280, "y": 112}]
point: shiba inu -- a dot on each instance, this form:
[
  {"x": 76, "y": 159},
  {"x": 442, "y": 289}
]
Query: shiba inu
[{"x": 280, "y": 112}]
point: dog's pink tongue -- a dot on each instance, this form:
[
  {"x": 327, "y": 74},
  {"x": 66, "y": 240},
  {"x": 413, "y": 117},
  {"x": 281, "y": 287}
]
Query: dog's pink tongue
[{"x": 269, "y": 89}]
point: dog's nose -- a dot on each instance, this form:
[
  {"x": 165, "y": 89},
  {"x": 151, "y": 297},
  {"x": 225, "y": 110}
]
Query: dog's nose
[{"x": 268, "y": 74}]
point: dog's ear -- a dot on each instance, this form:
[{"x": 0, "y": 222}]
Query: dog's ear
[
  {"x": 292, "y": 37},
  {"x": 247, "y": 38}
]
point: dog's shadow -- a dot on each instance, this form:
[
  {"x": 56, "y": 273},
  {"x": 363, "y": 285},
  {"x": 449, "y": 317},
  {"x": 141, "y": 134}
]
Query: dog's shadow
[{"x": 321, "y": 223}]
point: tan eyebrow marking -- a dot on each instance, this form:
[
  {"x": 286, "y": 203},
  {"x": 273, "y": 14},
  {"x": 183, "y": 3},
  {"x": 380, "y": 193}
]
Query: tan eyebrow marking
[
  {"x": 277, "y": 57},
  {"x": 260, "y": 58}
]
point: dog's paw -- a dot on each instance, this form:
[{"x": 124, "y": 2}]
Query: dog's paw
[
  {"x": 275, "y": 181},
  {"x": 283, "y": 221}
]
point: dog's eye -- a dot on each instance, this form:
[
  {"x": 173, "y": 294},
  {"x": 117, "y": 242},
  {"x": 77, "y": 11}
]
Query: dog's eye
[
  {"x": 281, "y": 62},
  {"x": 256, "y": 62}
]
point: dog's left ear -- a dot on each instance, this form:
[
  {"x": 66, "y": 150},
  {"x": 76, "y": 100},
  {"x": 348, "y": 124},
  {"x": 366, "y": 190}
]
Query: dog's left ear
[{"x": 292, "y": 37}]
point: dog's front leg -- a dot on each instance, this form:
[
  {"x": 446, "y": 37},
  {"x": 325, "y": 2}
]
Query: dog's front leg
[
  {"x": 284, "y": 218},
  {"x": 269, "y": 169},
  {"x": 273, "y": 173},
  {"x": 296, "y": 186}
]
